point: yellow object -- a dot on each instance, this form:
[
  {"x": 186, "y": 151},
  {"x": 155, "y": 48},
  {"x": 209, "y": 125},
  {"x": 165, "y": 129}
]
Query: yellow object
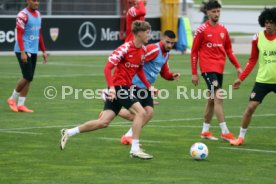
[{"x": 169, "y": 15}]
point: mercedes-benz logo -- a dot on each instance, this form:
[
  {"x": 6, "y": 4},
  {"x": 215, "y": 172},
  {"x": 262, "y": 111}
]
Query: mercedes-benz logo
[{"x": 87, "y": 34}]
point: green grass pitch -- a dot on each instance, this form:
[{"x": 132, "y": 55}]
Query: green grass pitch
[{"x": 29, "y": 143}]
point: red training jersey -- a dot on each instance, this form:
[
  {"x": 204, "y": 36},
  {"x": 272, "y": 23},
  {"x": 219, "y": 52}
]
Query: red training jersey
[
  {"x": 254, "y": 55},
  {"x": 134, "y": 13},
  {"x": 210, "y": 46},
  {"x": 21, "y": 21},
  {"x": 152, "y": 53},
  {"x": 127, "y": 61}
]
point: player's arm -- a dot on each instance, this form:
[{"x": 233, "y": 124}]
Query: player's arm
[
  {"x": 250, "y": 64},
  {"x": 42, "y": 47},
  {"x": 142, "y": 76},
  {"x": 140, "y": 10},
  {"x": 198, "y": 39},
  {"x": 231, "y": 55},
  {"x": 167, "y": 74},
  {"x": 21, "y": 21}
]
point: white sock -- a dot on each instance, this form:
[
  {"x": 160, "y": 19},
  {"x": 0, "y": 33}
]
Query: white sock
[
  {"x": 135, "y": 145},
  {"x": 21, "y": 101},
  {"x": 224, "y": 128},
  {"x": 242, "y": 132},
  {"x": 14, "y": 95},
  {"x": 129, "y": 133},
  {"x": 73, "y": 131},
  {"x": 205, "y": 127}
]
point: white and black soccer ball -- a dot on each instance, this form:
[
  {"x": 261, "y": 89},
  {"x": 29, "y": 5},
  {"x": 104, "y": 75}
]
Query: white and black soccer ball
[{"x": 199, "y": 151}]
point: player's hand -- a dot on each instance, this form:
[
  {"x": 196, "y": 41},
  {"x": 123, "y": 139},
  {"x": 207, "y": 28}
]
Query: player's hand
[
  {"x": 237, "y": 84},
  {"x": 111, "y": 94},
  {"x": 45, "y": 57},
  {"x": 153, "y": 91},
  {"x": 176, "y": 76},
  {"x": 24, "y": 57},
  {"x": 239, "y": 71},
  {"x": 195, "y": 80}
]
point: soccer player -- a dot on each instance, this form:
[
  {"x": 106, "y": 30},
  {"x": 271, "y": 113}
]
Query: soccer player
[
  {"x": 156, "y": 62},
  {"x": 136, "y": 12},
  {"x": 127, "y": 60},
  {"x": 264, "y": 52},
  {"x": 210, "y": 46},
  {"x": 29, "y": 38}
]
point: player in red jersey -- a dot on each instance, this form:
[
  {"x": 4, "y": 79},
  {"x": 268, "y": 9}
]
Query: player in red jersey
[
  {"x": 136, "y": 12},
  {"x": 211, "y": 45},
  {"x": 264, "y": 52},
  {"x": 156, "y": 63},
  {"x": 127, "y": 60},
  {"x": 29, "y": 40}
]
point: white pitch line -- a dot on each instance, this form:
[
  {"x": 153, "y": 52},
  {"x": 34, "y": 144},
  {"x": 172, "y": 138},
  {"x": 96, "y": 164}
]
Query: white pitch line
[
  {"x": 17, "y": 132},
  {"x": 227, "y": 117},
  {"x": 246, "y": 149},
  {"x": 124, "y": 123}
]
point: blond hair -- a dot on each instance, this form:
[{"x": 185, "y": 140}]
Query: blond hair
[{"x": 139, "y": 25}]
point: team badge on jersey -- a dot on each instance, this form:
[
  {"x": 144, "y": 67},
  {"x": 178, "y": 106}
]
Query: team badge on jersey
[
  {"x": 253, "y": 94},
  {"x": 222, "y": 35},
  {"x": 143, "y": 59},
  {"x": 54, "y": 32},
  {"x": 215, "y": 83}
]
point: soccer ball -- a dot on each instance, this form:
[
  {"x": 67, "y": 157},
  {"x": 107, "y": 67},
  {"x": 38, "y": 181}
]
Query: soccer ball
[{"x": 199, "y": 151}]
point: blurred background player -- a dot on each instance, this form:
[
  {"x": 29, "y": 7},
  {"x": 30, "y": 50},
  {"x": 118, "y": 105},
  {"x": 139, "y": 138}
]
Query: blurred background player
[
  {"x": 156, "y": 62},
  {"x": 210, "y": 46},
  {"x": 28, "y": 25},
  {"x": 264, "y": 52},
  {"x": 127, "y": 60},
  {"x": 136, "y": 12},
  {"x": 203, "y": 9}
]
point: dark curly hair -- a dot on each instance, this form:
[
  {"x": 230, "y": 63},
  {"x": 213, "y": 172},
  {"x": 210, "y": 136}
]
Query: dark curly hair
[
  {"x": 267, "y": 14},
  {"x": 212, "y": 4}
]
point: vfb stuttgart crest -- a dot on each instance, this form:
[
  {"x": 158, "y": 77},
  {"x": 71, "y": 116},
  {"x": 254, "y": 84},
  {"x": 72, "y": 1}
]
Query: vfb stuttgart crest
[
  {"x": 253, "y": 94},
  {"x": 54, "y": 33},
  {"x": 222, "y": 35}
]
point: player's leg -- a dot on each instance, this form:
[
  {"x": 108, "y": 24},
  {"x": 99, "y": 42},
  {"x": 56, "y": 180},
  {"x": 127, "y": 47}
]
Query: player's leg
[
  {"x": 128, "y": 100},
  {"x": 209, "y": 109},
  {"x": 137, "y": 125},
  {"x": 25, "y": 67},
  {"x": 127, "y": 137},
  {"x": 29, "y": 77},
  {"x": 145, "y": 98},
  {"x": 257, "y": 95},
  {"x": 111, "y": 109},
  {"x": 102, "y": 122},
  {"x": 126, "y": 114},
  {"x": 218, "y": 107}
]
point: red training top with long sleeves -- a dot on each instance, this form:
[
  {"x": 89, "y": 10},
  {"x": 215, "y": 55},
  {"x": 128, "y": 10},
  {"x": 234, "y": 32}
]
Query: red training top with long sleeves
[
  {"x": 127, "y": 61},
  {"x": 253, "y": 59},
  {"x": 21, "y": 21},
  {"x": 134, "y": 13},
  {"x": 152, "y": 53},
  {"x": 210, "y": 46}
]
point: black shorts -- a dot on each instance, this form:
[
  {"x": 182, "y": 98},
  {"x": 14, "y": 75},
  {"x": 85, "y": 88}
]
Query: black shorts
[
  {"x": 28, "y": 68},
  {"x": 125, "y": 99},
  {"x": 213, "y": 80},
  {"x": 260, "y": 90},
  {"x": 144, "y": 96}
]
